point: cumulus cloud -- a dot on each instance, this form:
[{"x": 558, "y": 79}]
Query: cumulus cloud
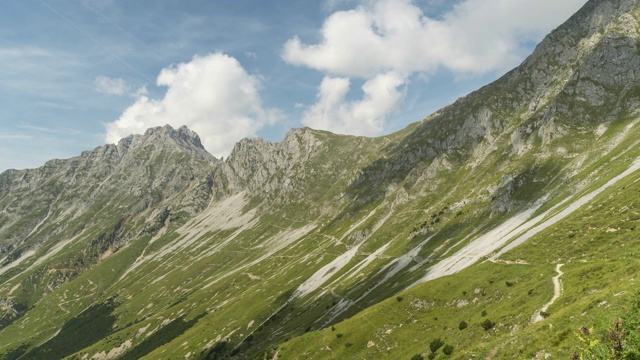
[
  {"x": 476, "y": 36},
  {"x": 364, "y": 117},
  {"x": 380, "y": 36},
  {"x": 212, "y": 95}
]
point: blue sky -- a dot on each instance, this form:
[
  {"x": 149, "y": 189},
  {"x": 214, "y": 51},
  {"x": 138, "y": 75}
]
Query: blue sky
[{"x": 76, "y": 74}]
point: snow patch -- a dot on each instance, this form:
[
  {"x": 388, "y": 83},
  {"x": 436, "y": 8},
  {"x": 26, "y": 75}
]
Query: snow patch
[
  {"x": 520, "y": 226},
  {"x": 54, "y": 250},
  {"x": 570, "y": 209},
  {"x": 16, "y": 287},
  {"x": 325, "y": 273},
  {"x": 224, "y": 215},
  {"x": 25, "y": 255},
  {"x": 368, "y": 260},
  {"x": 482, "y": 246},
  {"x": 142, "y": 330},
  {"x": 113, "y": 353}
]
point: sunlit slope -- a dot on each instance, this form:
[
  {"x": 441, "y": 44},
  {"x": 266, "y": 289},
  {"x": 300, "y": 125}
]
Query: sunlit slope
[
  {"x": 596, "y": 246},
  {"x": 170, "y": 253}
]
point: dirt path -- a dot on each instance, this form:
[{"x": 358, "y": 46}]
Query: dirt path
[{"x": 557, "y": 291}]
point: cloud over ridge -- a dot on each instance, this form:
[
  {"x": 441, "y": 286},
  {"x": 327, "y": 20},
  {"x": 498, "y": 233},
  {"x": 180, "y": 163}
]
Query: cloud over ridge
[
  {"x": 212, "y": 95},
  {"x": 381, "y": 37}
]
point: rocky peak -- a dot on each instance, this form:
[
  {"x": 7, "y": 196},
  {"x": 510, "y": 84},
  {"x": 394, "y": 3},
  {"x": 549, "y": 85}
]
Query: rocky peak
[
  {"x": 141, "y": 170},
  {"x": 586, "y": 62},
  {"x": 183, "y": 138},
  {"x": 259, "y": 165},
  {"x": 580, "y": 77}
]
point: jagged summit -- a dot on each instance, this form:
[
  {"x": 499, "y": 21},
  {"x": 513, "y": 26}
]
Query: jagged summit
[{"x": 184, "y": 138}]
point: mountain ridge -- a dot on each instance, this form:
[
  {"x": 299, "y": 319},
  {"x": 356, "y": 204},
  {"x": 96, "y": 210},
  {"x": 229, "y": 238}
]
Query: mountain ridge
[{"x": 280, "y": 244}]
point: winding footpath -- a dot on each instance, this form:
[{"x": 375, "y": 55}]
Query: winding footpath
[{"x": 557, "y": 291}]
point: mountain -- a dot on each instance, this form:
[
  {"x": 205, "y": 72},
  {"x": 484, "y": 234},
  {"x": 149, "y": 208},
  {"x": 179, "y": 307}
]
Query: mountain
[
  {"x": 90, "y": 202},
  {"x": 500, "y": 225}
]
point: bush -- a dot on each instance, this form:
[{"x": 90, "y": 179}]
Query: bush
[
  {"x": 432, "y": 356},
  {"x": 399, "y": 298},
  {"x": 484, "y": 313},
  {"x": 436, "y": 344},
  {"x": 508, "y": 283},
  {"x": 447, "y": 349},
  {"x": 463, "y": 325},
  {"x": 487, "y": 324},
  {"x": 417, "y": 357},
  {"x": 338, "y": 335}
]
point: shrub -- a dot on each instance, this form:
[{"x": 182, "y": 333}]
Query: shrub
[
  {"x": 436, "y": 344},
  {"x": 508, "y": 283},
  {"x": 484, "y": 313},
  {"x": 463, "y": 325},
  {"x": 348, "y": 345},
  {"x": 447, "y": 349},
  {"x": 399, "y": 298},
  {"x": 432, "y": 356},
  {"x": 417, "y": 357},
  {"x": 338, "y": 335},
  {"x": 487, "y": 324}
]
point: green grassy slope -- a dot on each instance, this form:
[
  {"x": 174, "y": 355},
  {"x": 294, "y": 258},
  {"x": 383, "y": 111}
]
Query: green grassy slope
[
  {"x": 305, "y": 248},
  {"x": 597, "y": 244}
]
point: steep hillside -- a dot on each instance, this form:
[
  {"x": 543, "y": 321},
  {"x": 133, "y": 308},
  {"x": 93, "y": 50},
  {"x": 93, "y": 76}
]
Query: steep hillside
[
  {"x": 62, "y": 219},
  {"x": 155, "y": 249},
  {"x": 571, "y": 288}
]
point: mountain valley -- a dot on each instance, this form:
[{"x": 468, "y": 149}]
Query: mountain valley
[{"x": 502, "y": 226}]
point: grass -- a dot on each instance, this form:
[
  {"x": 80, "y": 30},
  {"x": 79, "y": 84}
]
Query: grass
[
  {"x": 598, "y": 286},
  {"x": 191, "y": 301}
]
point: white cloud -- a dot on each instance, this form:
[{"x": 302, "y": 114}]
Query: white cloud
[
  {"x": 116, "y": 86},
  {"x": 380, "y": 36},
  {"x": 111, "y": 86},
  {"x": 476, "y": 36},
  {"x": 363, "y": 117},
  {"x": 212, "y": 95}
]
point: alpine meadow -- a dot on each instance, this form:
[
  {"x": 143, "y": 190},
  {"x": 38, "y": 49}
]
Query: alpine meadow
[{"x": 503, "y": 226}]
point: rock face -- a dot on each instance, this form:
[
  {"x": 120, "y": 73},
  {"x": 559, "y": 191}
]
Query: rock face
[
  {"x": 180, "y": 253},
  {"x": 581, "y": 76},
  {"x": 260, "y": 166},
  {"x": 139, "y": 171},
  {"x": 98, "y": 192}
]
